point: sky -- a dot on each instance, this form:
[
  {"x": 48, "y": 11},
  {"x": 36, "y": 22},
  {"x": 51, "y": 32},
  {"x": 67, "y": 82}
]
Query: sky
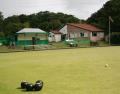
[{"x": 79, "y": 8}]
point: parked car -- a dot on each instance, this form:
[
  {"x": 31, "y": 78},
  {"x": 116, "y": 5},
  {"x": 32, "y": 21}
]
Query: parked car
[{"x": 71, "y": 43}]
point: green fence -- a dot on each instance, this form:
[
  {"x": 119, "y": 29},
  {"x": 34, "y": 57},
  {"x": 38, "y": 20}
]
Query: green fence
[{"x": 82, "y": 41}]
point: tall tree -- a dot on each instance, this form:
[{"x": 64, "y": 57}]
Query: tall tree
[
  {"x": 111, "y": 9},
  {"x": 12, "y": 25},
  {"x": 101, "y": 17},
  {"x": 1, "y": 21},
  {"x": 1, "y": 25}
]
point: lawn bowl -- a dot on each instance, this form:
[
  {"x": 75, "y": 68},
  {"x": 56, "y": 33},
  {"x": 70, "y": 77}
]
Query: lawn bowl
[
  {"x": 39, "y": 81},
  {"x": 29, "y": 87},
  {"x": 23, "y": 84},
  {"x": 38, "y": 86}
]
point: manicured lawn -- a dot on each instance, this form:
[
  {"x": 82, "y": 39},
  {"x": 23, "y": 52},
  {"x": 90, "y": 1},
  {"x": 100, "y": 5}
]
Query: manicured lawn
[
  {"x": 6, "y": 49},
  {"x": 72, "y": 71}
]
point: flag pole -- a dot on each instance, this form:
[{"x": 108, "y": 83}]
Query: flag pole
[{"x": 109, "y": 32}]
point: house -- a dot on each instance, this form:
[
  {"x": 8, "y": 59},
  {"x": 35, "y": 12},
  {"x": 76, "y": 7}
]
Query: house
[
  {"x": 82, "y": 32},
  {"x": 32, "y": 36},
  {"x": 54, "y": 36}
]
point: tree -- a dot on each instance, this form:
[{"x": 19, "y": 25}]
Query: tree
[
  {"x": 12, "y": 28},
  {"x": 44, "y": 20},
  {"x": 1, "y": 25},
  {"x": 23, "y": 18},
  {"x": 100, "y": 18},
  {"x": 49, "y": 20}
]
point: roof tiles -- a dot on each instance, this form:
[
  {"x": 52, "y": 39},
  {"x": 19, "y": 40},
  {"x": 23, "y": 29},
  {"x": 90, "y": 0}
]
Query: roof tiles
[{"x": 88, "y": 27}]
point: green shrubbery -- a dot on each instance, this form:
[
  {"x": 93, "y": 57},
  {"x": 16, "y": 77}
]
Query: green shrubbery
[{"x": 115, "y": 39}]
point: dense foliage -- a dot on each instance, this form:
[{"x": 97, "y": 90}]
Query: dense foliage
[
  {"x": 101, "y": 17},
  {"x": 115, "y": 39},
  {"x": 1, "y": 24},
  {"x": 44, "y": 20}
]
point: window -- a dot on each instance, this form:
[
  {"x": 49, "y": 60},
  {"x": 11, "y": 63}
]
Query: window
[
  {"x": 82, "y": 34},
  {"x": 94, "y": 34}
]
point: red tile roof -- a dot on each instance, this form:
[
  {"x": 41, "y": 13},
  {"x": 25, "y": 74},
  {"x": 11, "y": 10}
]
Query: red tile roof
[{"x": 88, "y": 27}]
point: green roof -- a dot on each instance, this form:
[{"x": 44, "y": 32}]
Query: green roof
[{"x": 31, "y": 31}]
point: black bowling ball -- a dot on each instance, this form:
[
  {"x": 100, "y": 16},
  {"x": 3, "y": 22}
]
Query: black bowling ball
[
  {"x": 29, "y": 87},
  {"x": 23, "y": 84},
  {"x": 39, "y": 81},
  {"x": 38, "y": 86}
]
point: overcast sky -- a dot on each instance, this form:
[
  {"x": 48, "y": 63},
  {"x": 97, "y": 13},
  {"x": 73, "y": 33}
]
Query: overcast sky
[{"x": 80, "y": 8}]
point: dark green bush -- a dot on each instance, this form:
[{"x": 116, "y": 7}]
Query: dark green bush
[{"x": 115, "y": 39}]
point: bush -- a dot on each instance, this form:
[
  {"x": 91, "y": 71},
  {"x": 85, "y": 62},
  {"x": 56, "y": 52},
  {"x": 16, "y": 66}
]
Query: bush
[{"x": 115, "y": 39}]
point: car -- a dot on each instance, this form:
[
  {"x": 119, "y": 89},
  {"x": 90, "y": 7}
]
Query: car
[{"x": 71, "y": 43}]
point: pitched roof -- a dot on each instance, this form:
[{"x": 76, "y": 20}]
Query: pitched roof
[
  {"x": 88, "y": 27},
  {"x": 31, "y": 30},
  {"x": 56, "y": 32}
]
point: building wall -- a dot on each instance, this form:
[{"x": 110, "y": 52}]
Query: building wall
[
  {"x": 29, "y": 36},
  {"x": 51, "y": 37},
  {"x": 54, "y": 37},
  {"x": 75, "y": 32},
  {"x": 100, "y": 36},
  {"x": 26, "y": 39},
  {"x": 57, "y": 37},
  {"x": 64, "y": 30}
]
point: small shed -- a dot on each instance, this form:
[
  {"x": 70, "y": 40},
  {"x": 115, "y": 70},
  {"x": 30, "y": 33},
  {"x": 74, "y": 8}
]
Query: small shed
[
  {"x": 32, "y": 36},
  {"x": 55, "y": 36}
]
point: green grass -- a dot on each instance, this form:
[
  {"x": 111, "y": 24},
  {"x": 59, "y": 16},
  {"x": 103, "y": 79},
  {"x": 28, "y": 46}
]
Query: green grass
[
  {"x": 7, "y": 49},
  {"x": 59, "y": 45},
  {"x": 72, "y": 71}
]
